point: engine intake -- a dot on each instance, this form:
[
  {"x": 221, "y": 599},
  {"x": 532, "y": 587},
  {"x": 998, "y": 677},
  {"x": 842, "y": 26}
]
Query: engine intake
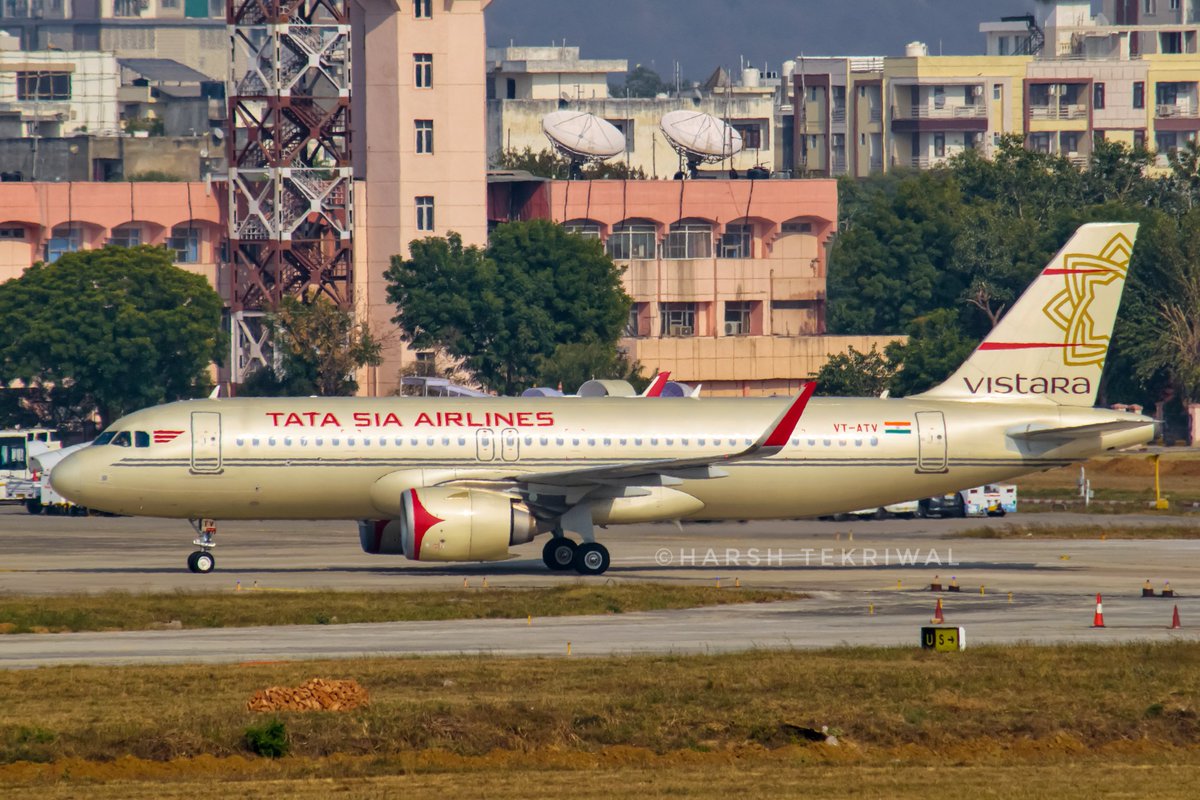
[{"x": 440, "y": 524}]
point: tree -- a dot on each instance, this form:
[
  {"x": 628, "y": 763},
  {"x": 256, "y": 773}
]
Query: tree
[
  {"x": 641, "y": 81},
  {"x": 549, "y": 164},
  {"x": 574, "y": 363},
  {"x": 504, "y": 311},
  {"x": 106, "y": 332},
  {"x": 318, "y": 347},
  {"x": 856, "y": 374},
  {"x": 936, "y": 347}
]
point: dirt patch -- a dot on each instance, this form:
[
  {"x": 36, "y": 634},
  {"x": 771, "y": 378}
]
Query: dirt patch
[{"x": 318, "y": 694}]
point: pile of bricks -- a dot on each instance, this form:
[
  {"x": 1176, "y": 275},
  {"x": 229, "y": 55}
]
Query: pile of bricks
[{"x": 317, "y": 694}]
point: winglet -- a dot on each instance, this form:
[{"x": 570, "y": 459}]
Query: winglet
[
  {"x": 783, "y": 427},
  {"x": 655, "y": 389}
]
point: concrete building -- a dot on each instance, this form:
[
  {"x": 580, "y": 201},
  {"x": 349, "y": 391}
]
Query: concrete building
[
  {"x": 56, "y": 93},
  {"x": 191, "y": 32},
  {"x": 727, "y": 276},
  {"x": 41, "y": 221},
  {"x": 527, "y": 83},
  {"x": 419, "y": 147}
]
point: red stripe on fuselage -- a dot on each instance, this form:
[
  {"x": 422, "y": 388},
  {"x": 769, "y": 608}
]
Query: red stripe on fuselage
[{"x": 1025, "y": 345}]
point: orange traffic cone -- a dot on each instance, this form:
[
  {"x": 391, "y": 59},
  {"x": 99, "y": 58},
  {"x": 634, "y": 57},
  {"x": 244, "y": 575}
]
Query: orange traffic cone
[
  {"x": 1098, "y": 620},
  {"x": 937, "y": 612},
  {"x": 1175, "y": 619}
]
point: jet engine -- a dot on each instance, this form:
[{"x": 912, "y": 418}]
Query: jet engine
[{"x": 448, "y": 524}]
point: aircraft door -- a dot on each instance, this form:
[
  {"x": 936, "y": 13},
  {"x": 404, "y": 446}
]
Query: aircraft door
[
  {"x": 485, "y": 444},
  {"x": 206, "y": 441},
  {"x": 510, "y": 444},
  {"x": 931, "y": 441}
]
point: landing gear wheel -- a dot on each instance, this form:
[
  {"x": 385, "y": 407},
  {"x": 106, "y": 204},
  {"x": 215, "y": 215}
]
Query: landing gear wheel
[
  {"x": 591, "y": 559},
  {"x": 202, "y": 562},
  {"x": 559, "y": 553}
]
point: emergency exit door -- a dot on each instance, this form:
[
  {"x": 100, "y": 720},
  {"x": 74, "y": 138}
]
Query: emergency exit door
[
  {"x": 206, "y": 441},
  {"x": 931, "y": 441}
]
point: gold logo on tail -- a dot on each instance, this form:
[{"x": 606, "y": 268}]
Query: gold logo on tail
[{"x": 1084, "y": 276}]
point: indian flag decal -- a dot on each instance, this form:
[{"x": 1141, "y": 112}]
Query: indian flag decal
[{"x": 897, "y": 427}]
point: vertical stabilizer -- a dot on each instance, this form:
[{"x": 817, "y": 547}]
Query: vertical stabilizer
[{"x": 1052, "y": 343}]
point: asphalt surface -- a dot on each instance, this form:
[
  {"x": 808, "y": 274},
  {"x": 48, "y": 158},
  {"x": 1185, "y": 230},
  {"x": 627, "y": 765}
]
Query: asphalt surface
[{"x": 867, "y": 584}]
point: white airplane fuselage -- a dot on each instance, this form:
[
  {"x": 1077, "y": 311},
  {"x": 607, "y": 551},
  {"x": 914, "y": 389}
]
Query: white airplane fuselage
[{"x": 350, "y": 458}]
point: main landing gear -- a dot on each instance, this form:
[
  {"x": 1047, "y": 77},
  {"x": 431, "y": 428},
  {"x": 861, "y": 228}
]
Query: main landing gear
[
  {"x": 589, "y": 558},
  {"x": 202, "y": 560}
]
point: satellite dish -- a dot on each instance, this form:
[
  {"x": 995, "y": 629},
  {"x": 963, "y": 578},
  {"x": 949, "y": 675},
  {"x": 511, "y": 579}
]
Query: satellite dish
[
  {"x": 700, "y": 135},
  {"x": 583, "y": 137}
]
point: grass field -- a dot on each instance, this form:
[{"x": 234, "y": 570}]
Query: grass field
[
  {"x": 1126, "y": 480},
  {"x": 988, "y": 720},
  {"x": 124, "y": 611},
  {"x": 1034, "y": 530}
]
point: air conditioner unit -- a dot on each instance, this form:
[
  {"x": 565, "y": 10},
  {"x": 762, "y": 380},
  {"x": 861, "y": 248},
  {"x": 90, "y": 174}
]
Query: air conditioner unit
[
  {"x": 679, "y": 330},
  {"x": 978, "y": 91},
  {"x": 734, "y": 329}
]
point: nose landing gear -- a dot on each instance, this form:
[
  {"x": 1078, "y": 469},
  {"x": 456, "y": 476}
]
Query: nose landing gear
[{"x": 202, "y": 560}]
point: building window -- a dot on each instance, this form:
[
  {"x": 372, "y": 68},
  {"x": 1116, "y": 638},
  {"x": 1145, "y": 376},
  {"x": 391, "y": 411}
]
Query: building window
[
  {"x": 1174, "y": 5},
  {"x": 632, "y": 240},
  {"x": 678, "y": 319},
  {"x": 1150, "y": 6},
  {"x": 997, "y": 91},
  {"x": 1098, "y": 95},
  {"x": 423, "y": 9},
  {"x": 127, "y": 8},
  {"x": 43, "y": 85},
  {"x": 1170, "y": 42},
  {"x": 625, "y": 126},
  {"x": 796, "y": 227},
  {"x": 737, "y": 318},
  {"x": 1068, "y": 142},
  {"x": 126, "y": 236},
  {"x": 752, "y": 134},
  {"x": 737, "y": 241},
  {"x": 1003, "y": 46},
  {"x": 689, "y": 239},
  {"x": 185, "y": 241},
  {"x": 583, "y": 227},
  {"x": 423, "y": 64},
  {"x": 424, "y": 136},
  {"x": 510, "y": 89},
  {"x": 425, "y": 213},
  {"x": 12, "y": 233},
  {"x": 939, "y": 145},
  {"x": 1139, "y": 139},
  {"x": 1139, "y": 94},
  {"x": 63, "y": 239},
  {"x": 633, "y": 326}
]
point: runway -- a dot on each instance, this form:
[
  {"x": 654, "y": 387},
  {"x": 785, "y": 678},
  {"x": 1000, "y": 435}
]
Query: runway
[{"x": 845, "y": 568}]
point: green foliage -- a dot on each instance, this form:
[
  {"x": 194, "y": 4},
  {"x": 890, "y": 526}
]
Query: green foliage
[
  {"x": 505, "y": 310},
  {"x": 549, "y": 164},
  {"x": 318, "y": 347},
  {"x": 856, "y": 374},
  {"x": 573, "y": 363},
  {"x": 106, "y": 332},
  {"x": 154, "y": 176},
  {"x": 949, "y": 250},
  {"x": 936, "y": 347},
  {"x": 152, "y": 125},
  {"x": 641, "y": 81},
  {"x": 269, "y": 739}
]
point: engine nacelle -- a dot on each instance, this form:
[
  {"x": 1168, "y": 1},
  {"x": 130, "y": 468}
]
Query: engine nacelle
[{"x": 447, "y": 524}]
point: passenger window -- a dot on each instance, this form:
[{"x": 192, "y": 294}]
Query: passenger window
[
  {"x": 591, "y": 442},
  {"x": 304, "y": 441},
  {"x": 462, "y": 441},
  {"x": 241, "y": 442},
  {"x": 271, "y": 441},
  {"x": 104, "y": 438},
  {"x": 559, "y": 441},
  {"x": 623, "y": 441},
  {"x": 383, "y": 441},
  {"x": 445, "y": 441},
  {"x": 366, "y": 441},
  {"x": 399, "y": 441},
  {"x": 528, "y": 441},
  {"x": 319, "y": 442},
  {"x": 287, "y": 441},
  {"x": 254, "y": 442},
  {"x": 795, "y": 442},
  {"x": 337, "y": 441},
  {"x": 608, "y": 442},
  {"x": 670, "y": 441},
  {"x": 122, "y": 439},
  {"x": 350, "y": 441},
  {"x": 637, "y": 441},
  {"x": 429, "y": 441},
  {"x": 653, "y": 440}
]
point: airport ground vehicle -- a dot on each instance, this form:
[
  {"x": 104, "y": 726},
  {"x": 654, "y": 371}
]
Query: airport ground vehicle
[
  {"x": 17, "y": 447},
  {"x": 990, "y": 500}
]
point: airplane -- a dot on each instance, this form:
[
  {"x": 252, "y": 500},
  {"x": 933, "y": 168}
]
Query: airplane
[{"x": 465, "y": 479}]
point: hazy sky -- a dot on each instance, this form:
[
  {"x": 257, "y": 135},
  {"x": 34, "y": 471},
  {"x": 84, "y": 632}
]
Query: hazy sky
[{"x": 703, "y": 34}]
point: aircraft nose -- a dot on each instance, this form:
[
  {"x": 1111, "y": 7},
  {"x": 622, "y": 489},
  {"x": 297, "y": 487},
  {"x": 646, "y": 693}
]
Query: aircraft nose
[{"x": 67, "y": 478}]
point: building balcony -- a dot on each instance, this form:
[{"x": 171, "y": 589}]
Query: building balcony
[
  {"x": 838, "y": 114},
  {"x": 1176, "y": 110},
  {"x": 1058, "y": 112},
  {"x": 838, "y": 165},
  {"x": 919, "y": 162},
  {"x": 933, "y": 111},
  {"x": 706, "y": 279}
]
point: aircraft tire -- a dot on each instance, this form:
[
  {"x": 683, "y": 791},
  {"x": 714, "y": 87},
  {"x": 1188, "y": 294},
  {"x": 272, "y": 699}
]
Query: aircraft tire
[
  {"x": 202, "y": 562},
  {"x": 192, "y": 561},
  {"x": 559, "y": 553},
  {"x": 591, "y": 559}
]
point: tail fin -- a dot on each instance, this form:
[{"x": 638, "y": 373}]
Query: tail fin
[{"x": 1052, "y": 343}]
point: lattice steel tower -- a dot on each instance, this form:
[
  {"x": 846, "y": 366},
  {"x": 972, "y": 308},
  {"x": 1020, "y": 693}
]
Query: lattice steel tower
[{"x": 290, "y": 205}]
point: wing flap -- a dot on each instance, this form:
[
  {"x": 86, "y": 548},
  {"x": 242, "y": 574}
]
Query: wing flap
[{"x": 1071, "y": 432}]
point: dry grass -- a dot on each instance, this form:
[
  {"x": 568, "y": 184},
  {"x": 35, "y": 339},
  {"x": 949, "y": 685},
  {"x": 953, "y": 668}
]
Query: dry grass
[
  {"x": 1097, "y": 531},
  {"x": 123, "y": 611},
  {"x": 982, "y": 704},
  {"x": 1126, "y": 478}
]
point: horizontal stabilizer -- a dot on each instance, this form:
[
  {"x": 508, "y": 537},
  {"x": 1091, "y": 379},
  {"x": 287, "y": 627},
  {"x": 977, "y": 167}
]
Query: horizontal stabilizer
[{"x": 1069, "y": 433}]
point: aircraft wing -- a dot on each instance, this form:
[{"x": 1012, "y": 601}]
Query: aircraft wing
[
  {"x": 1067, "y": 433},
  {"x": 772, "y": 440}
]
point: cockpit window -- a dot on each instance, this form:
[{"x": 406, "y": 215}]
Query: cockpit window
[
  {"x": 141, "y": 439},
  {"x": 122, "y": 439},
  {"x": 105, "y": 437}
]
